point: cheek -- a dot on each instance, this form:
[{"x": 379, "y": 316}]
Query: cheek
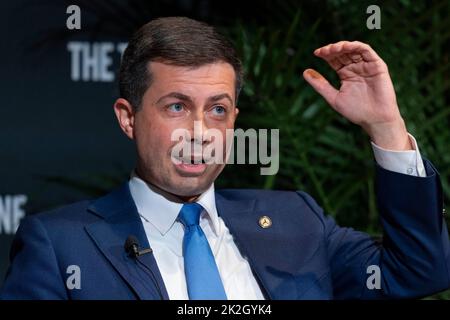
[
  {"x": 160, "y": 139},
  {"x": 154, "y": 137}
]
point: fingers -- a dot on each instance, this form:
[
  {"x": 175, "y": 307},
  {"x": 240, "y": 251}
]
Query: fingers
[
  {"x": 344, "y": 59},
  {"x": 335, "y": 63},
  {"x": 321, "y": 85},
  {"x": 347, "y": 52},
  {"x": 355, "y": 57}
]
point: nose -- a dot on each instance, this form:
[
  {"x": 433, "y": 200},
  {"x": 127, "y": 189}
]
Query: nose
[{"x": 197, "y": 129}]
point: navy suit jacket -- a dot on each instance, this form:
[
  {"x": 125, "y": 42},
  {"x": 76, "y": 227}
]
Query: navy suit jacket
[{"x": 303, "y": 255}]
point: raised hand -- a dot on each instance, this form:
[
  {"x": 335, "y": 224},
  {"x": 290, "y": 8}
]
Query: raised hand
[{"x": 366, "y": 96}]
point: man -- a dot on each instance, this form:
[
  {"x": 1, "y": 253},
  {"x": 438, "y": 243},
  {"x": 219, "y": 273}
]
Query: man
[{"x": 233, "y": 244}]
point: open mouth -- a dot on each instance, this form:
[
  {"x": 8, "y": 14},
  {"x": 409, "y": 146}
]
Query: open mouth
[
  {"x": 191, "y": 160},
  {"x": 191, "y": 165}
]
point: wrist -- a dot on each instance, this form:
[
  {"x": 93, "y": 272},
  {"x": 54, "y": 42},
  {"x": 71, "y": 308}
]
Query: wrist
[{"x": 390, "y": 135}]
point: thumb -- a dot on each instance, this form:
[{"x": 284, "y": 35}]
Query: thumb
[{"x": 321, "y": 85}]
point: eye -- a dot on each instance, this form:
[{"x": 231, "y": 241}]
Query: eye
[
  {"x": 175, "y": 107},
  {"x": 218, "y": 110}
]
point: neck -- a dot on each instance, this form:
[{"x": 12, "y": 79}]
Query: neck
[{"x": 190, "y": 198}]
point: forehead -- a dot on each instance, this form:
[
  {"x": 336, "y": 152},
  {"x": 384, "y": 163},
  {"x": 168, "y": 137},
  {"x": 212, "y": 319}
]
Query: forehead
[{"x": 215, "y": 77}]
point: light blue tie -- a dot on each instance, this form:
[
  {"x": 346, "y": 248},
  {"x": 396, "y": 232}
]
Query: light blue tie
[{"x": 202, "y": 276}]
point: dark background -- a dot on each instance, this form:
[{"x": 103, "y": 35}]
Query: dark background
[{"x": 59, "y": 141}]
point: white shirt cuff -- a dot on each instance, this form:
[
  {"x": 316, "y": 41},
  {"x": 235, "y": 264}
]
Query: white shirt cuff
[{"x": 407, "y": 162}]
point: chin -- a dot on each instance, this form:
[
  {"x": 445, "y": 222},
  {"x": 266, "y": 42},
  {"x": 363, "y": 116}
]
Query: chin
[
  {"x": 189, "y": 183},
  {"x": 190, "y": 186}
]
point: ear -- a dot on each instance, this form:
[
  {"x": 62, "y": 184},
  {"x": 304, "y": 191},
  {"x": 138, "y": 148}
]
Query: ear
[
  {"x": 125, "y": 115},
  {"x": 236, "y": 112}
]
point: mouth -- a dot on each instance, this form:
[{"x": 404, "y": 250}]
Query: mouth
[{"x": 191, "y": 166}]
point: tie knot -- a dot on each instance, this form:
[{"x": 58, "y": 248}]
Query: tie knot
[{"x": 190, "y": 214}]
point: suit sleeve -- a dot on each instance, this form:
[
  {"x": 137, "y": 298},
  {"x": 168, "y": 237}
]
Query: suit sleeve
[
  {"x": 33, "y": 272},
  {"x": 413, "y": 254}
]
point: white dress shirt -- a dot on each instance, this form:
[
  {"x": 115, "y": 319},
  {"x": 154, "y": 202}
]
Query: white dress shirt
[
  {"x": 165, "y": 233},
  {"x": 165, "y": 236}
]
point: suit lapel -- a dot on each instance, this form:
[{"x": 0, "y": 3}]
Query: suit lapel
[
  {"x": 121, "y": 219},
  {"x": 236, "y": 214},
  {"x": 280, "y": 271}
]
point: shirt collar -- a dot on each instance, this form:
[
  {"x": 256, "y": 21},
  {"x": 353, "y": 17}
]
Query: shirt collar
[{"x": 162, "y": 212}]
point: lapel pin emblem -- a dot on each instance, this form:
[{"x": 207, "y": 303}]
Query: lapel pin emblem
[{"x": 265, "y": 222}]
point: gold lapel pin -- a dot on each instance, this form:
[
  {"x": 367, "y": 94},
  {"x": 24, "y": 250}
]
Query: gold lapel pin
[{"x": 265, "y": 222}]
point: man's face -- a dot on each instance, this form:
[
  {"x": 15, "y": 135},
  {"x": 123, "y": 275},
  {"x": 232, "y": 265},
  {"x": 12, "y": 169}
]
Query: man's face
[{"x": 177, "y": 97}]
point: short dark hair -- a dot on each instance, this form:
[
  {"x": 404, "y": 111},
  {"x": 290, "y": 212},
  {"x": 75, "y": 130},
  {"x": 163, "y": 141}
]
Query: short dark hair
[{"x": 178, "y": 41}]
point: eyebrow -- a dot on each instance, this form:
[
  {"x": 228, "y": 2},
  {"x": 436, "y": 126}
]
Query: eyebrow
[
  {"x": 183, "y": 97},
  {"x": 176, "y": 95},
  {"x": 220, "y": 97}
]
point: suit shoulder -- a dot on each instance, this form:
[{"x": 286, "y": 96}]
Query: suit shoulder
[
  {"x": 271, "y": 198},
  {"x": 248, "y": 194},
  {"x": 67, "y": 215}
]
